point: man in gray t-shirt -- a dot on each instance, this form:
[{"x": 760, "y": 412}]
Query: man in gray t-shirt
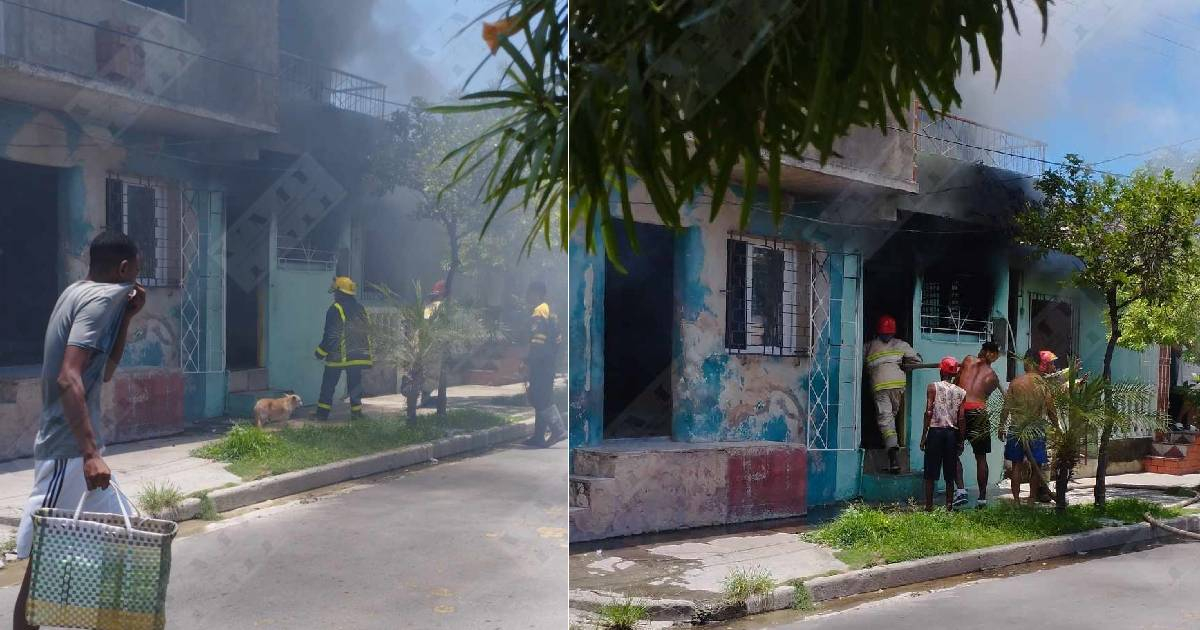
[{"x": 84, "y": 343}]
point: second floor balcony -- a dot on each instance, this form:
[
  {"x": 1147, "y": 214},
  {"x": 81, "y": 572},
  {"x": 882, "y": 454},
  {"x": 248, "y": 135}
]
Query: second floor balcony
[{"x": 128, "y": 67}]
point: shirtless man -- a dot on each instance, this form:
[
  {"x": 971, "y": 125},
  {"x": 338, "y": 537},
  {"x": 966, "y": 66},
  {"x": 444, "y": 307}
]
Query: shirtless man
[
  {"x": 1029, "y": 399},
  {"x": 978, "y": 378}
]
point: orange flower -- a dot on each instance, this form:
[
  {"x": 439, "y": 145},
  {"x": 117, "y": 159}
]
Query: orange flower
[{"x": 493, "y": 31}]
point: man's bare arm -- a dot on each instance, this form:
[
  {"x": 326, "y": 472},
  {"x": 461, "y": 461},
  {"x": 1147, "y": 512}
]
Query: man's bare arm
[{"x": 74, "y": 398}]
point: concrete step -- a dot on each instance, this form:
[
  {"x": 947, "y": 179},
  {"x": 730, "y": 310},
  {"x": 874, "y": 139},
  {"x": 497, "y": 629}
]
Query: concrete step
[
  {"x": 241, "y": 404},
  {"x": 1170, "y": 450},
  {"x": 250, "y": 380},
  {"x": 875, "y": 461},
  {"x": 584, "y": 487}
]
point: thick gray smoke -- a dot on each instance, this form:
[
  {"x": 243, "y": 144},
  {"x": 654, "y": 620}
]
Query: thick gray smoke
[
  {"x": 1040, "y": 79},
  {"x": 409, "y": 45},
  {"x": 371, "y": 38}
]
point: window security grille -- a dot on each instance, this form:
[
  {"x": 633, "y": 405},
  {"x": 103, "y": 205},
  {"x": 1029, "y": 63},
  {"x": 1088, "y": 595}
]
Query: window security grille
[
  {"x": 768, "y": 294},
  {"x": 144, "y": 209},
  {"x": 958, "y": 304}
]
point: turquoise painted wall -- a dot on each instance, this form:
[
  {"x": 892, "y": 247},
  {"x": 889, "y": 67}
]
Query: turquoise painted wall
[
  {"x": 932, "y": 347},
  {"x": 585, "y": 331},
  {"x": 296, "y": 304},
  {"x": 718, "y": 396}
]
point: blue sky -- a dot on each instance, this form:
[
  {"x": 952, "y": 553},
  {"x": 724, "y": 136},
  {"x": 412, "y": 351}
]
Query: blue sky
[{"x": 1112, "y": 77}]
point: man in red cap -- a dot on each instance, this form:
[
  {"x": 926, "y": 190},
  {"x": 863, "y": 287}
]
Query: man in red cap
[
  {"x": 884, "y": 354},
  {"x": 944, "y": 432}
]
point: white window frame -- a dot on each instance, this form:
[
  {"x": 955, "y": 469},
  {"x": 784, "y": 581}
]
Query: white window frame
[
  {"x": 795, "y": 289},
  {"x": 164, "y": 241}
]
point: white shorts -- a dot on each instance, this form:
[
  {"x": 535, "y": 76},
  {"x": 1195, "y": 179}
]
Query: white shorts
[{"x": 58, "y": 483}]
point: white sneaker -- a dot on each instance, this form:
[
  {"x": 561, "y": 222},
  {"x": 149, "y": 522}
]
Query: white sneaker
[{"x": 960, "y": 497}]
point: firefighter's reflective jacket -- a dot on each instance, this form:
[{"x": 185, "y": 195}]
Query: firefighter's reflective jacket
[
  {"x": 544, "y": 337},
  {"x": 883, "y": 362},
  {"x": 346, "y": 341}
]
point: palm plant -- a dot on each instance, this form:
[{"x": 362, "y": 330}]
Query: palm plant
[
  {"x": 402, "y": 334},
  {"x": 1080, "y": 411}
]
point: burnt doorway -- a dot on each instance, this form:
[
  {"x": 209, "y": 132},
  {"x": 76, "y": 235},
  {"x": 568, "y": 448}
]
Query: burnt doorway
[
  {"x": 1052, "y": 326},
  {"x": 245, "y": 305},
  {"x": 887, "y": 290},
  {"x": 29, "y": 253},
  {"x": 639, "y": 330}
]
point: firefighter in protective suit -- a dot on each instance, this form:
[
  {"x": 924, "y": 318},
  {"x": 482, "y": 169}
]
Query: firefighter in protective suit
[
  {"x": 345, "y": 346},
  {"x": 884, "y": 355}
]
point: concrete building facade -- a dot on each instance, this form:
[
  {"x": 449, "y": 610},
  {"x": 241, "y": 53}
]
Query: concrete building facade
[
  {"x": 235, "y": 166},
  {"x": 721, "y": 379}
]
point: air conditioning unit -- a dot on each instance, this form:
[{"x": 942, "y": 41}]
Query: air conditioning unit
[{"x": 119, "y": 57}]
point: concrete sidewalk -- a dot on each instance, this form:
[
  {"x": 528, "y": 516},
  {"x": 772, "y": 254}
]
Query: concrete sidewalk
[
  {"x": 164, "y": 460},
  {"x": 691, "y": 565}
]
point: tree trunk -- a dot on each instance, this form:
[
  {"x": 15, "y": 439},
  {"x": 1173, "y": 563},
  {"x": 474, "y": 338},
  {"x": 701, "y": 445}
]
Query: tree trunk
[
  {"x": 1062, "y": 476},
  {"x": 1114, "y": 334},
  {"x": 443, "y": 380}
]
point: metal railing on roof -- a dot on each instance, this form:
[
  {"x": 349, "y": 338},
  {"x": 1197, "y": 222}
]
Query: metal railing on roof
[
  {"x": 306, "y": 79},
  {"x": 961, "y": 139}
]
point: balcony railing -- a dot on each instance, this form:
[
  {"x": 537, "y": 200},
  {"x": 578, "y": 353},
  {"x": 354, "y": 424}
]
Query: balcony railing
[
  {"x": 304, "y": 79},
  {"x": 120, "y": 63},
  {"x": 961, "y": 139}
]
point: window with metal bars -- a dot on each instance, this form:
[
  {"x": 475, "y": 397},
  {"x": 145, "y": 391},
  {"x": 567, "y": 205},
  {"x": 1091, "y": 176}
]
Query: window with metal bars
[
  {"x": 957, "y": 303},
  {"x": 148, "y": 210},
  {"x": 767, "y": 295}
]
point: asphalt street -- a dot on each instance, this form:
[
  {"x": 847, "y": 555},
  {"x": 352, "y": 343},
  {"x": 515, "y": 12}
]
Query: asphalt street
[
  {"x": 474, "y": 543},
  {"x": 1153, "y": 589}
]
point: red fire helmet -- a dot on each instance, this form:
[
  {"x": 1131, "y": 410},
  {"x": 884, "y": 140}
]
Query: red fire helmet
[{"x": 887, "y": 325}]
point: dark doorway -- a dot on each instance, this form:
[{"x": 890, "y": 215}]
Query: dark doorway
[
  {"x": 887, "y": 290},
  {"x": 244, "y": 306},
  {"x": 28, "y": 259},
  {"x": 1052, "y": 327},
  {"x": 639, "y": 319}
]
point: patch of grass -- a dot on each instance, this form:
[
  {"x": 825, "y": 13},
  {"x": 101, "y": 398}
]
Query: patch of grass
[
  {"x": 208, "y": 509},
  {"x": 621, "y": 615},
  {"x": 253, "y": 453},
  {"x": 744, "y": 582},
  {"x": 891, "y": 535},
  {"x": 802, "y": 600},
  {"x": 9, "y": 544},
  {"x": 157, "y": 498}
]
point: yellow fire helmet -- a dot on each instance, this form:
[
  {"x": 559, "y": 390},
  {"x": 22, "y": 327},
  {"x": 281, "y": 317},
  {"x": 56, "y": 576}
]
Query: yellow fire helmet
[{"x": 345, "y": 285}]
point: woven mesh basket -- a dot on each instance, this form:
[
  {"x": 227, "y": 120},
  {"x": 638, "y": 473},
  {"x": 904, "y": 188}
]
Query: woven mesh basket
[{"x": 99, "y": 571}]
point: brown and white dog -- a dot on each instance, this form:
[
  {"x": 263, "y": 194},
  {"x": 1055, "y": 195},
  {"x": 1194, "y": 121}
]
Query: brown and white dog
[{"x": 275, "y": 409}]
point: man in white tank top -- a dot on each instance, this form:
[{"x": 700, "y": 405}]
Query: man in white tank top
[{"x": 944, "y": 433}]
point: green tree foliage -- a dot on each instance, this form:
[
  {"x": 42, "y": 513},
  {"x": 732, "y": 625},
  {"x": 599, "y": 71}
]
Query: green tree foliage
[
  {"x": 683, "y": 94},
  {"x": 1136, "y": 240},
  {"x": 403, "y": 335},
  {"x": 1081, "y": 410}
]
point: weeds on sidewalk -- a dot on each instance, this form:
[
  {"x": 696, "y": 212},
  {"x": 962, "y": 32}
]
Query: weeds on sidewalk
[
  {"x": 802, "y": 600},
  {"x": 868, "y": 535},
  {"x": 157, "y": 498},
  {"x": 208, "y": 509},
  {"x": 744, "y": 582},
  {"x": 253, "y": 453},
  {"x": 621, "y": 615}
]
